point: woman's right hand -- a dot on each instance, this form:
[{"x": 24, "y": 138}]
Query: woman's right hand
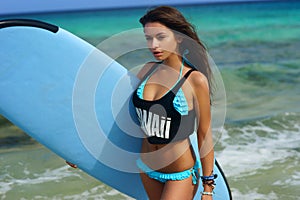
[{"x": 71, "y": 164}]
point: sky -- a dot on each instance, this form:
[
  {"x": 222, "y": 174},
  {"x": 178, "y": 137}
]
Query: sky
[{"x": 34, "y": 6}]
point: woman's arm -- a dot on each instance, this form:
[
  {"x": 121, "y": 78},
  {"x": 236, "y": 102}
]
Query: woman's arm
[{"x": 204, "y": 133}]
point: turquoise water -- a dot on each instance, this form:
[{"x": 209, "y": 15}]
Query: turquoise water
[{"x": 255, "y": 46}]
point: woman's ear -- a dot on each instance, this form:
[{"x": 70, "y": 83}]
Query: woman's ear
[{"x": 179, "y": 38}]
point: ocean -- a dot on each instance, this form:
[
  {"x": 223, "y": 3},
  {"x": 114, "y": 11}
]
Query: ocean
[{"x": 256, "y": 49}]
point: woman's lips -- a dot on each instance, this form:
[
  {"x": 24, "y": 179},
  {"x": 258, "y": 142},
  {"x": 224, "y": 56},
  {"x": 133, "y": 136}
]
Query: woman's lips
[{"x": 157, "y": 53}]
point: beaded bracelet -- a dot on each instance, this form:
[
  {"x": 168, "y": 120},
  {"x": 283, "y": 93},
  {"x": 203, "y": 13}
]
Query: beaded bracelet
[
  {"x": 209, "y": 180},
  {"x": 207, "y": 193}
]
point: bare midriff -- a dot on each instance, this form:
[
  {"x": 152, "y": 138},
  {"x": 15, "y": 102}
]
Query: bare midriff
[{"x": 168, "y": 158}]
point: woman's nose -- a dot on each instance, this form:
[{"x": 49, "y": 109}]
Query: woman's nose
[{"x": 154, "y": 43}]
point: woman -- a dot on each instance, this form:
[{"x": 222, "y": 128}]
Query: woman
[{"x": 173, "y": 93}]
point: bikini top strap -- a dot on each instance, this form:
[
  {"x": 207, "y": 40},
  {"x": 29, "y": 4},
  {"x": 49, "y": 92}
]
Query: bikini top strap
[
  {"x": 150, "y": 71},
  {"x": 182, "y": 80}
]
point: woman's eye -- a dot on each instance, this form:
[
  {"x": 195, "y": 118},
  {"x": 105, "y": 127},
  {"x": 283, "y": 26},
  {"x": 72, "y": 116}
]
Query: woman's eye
[{"x": 161, "y": 37}]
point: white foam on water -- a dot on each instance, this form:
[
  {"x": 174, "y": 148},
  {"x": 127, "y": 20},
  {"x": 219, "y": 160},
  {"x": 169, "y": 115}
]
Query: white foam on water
[
  {"x": 294, "y": 180},
  {"x": 264, "y": 145},
  {"x": 253, "y": 195},
  {"x": 95, "y": 193},
  {"x": 248, "y": 151},
  {"x": 8, "y": 182}
]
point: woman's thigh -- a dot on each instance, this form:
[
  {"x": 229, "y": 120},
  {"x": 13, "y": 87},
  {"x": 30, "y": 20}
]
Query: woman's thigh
[
  {"x": 183, "y": 189},
  {"x": 153, "y": 187}
]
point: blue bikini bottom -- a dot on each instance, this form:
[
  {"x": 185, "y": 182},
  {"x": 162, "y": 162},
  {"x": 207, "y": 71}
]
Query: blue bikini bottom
[{"x": 177, "y": 176}]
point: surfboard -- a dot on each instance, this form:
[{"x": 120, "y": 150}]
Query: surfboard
[{"x": 75, "y": 100}]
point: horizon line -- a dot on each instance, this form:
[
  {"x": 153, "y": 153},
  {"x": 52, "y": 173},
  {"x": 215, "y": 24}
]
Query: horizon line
[{"x": 124, "y": 7}]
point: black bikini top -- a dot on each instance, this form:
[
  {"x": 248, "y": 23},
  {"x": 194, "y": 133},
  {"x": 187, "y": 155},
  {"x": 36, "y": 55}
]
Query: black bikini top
[{"x": 159, "y": 119}]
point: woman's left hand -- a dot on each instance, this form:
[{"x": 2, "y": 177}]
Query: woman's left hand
[{"x": 206, "y": 197}]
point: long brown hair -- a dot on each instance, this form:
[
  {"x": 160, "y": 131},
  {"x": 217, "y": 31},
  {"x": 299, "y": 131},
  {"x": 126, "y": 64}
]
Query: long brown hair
[{"x": 174, "y": 20}]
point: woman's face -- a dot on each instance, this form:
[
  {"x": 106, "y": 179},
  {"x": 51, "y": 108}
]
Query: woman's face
[{"x": 161, "y": 40}]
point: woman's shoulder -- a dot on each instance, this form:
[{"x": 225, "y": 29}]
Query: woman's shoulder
[
  {"x": 147, "y": 67},
  {"x": 198, "y": 80}
]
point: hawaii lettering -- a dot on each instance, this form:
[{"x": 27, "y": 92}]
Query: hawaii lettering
[{"x": 153, "y": 124}]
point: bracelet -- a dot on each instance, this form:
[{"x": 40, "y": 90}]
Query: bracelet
[
  {"x": 207, "y": 193},
  {"x": 211, "y": 184},
  {"x": 209, "y": 180},
  {"x": 206, "y": 178}
]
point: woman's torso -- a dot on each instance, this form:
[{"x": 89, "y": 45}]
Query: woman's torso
[{"x": 174, "y": 156}]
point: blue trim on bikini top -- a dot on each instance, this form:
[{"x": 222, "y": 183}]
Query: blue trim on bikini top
[{"x": 179, "y": 102}]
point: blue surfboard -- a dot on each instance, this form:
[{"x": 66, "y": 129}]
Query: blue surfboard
[{"x": 75, "y": 100}]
